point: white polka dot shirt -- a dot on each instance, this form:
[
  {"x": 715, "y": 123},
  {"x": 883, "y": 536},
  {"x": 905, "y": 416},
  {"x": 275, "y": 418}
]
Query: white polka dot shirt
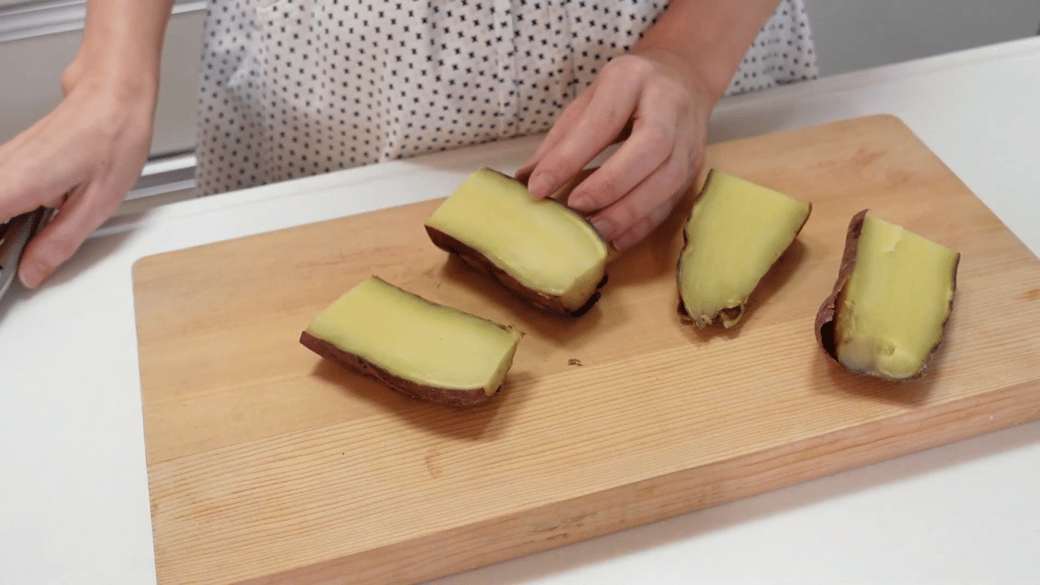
[{"x": 293, "y": 88}]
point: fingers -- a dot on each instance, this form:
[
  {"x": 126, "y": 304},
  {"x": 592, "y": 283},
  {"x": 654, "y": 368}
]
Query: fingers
[
  {"x": 582, "y": 135},
  {"x": 631, "y": 218},
  {"x": 642, "y": 228},
  {"x": 662, "y": 129},
  {"x": 61, "y": 237},
  {"x": 560, "y": 129},
  {"x": 86, "y": 208},
  {"x": 650, "y": 145},
  {"x": 33, "y": 185},
  {"x": 91, "y": 148},
  {"x": 636, "y": 189},
  {"x": 44, "y": 178},
  {"x": 663, "y": 110}
]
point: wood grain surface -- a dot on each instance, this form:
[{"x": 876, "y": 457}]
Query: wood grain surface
[{"x": 268, "y": 465}]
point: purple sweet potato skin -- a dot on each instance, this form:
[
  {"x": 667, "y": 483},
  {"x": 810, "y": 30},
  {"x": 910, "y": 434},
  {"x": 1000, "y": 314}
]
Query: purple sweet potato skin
[
  {"x": 827, "y": 313},
  {"x": 448, "y": 397},
  {"x": 825, "y": 316}
]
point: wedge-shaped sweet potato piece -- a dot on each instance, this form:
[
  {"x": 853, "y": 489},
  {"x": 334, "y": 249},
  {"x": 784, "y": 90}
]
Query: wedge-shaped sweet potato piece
[
  {"x": 419, "y": 348},
  {"x": 736, "y": 231},
  {"x": 541, "y": 250},
  {"x": 894, "y": 294}
]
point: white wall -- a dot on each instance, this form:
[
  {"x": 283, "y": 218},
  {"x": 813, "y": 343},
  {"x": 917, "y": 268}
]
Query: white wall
[{"x": 856, "y": 34}]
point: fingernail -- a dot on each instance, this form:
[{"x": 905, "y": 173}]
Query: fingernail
[
  {"x": 626, "y": 240},
  {"x": 604, "y": 227},
  {"x": 539, "y": 185},
  {"x": 580, "y": 202},
  {"x": 32, "y": 274}
]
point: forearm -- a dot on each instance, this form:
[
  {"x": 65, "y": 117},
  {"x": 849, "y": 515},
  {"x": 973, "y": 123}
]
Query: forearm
[
  {"x": 710, "y": 36},
  {"x": 122, "y": 45}
]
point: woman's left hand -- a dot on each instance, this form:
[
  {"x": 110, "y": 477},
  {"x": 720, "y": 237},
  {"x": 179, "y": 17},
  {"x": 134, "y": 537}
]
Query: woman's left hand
[{"x": 663, "y": 105}]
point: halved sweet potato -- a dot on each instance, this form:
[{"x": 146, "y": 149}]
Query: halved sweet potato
[
  {"x": 541, "y": 250},
  {"x": 736, "y": 231},
  {"x": 893, "y": 297},
  {"x": 419, "y": 348}
]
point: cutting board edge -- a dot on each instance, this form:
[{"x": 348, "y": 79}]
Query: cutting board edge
[{"x": 667, "y": 496}]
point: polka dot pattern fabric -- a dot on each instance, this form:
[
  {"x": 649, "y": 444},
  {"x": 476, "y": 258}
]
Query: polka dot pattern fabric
[
  {"x": 293, "y": 88},
  {"x": 782, "y": 53}
]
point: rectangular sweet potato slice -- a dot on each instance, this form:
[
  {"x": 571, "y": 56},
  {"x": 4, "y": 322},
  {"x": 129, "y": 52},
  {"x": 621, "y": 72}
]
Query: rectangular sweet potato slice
[
  {"x": 419, "y": 348},
  {"x": 541, "y": 250}
]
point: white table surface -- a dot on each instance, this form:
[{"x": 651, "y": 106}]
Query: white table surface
[{"x": 74, "y": 502}]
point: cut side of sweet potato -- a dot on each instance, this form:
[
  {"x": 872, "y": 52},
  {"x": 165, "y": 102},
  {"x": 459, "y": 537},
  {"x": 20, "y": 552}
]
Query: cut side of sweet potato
[
  {"x": 541, "y": 250},
  {"x": 894, "y": 295},
  {"x": 735, "y": 233},
  {"x": 419, "y": 348}
]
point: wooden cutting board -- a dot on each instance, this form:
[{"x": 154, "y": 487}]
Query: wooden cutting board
[{"x": 268, "y": 465}]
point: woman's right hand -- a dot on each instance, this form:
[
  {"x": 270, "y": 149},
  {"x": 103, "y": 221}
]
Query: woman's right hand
[
  {"x": 84, "y": 157},
  {"x": 81, "y": 159}
]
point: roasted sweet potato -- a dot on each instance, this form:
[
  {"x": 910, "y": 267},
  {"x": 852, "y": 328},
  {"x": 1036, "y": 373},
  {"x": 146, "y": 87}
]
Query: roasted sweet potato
[
  {"x": 893, "y": 297},
  {"x": 736, "y": 231},
  {"x": 419, "y": 348},
  {"x": 541, "y": 250}
]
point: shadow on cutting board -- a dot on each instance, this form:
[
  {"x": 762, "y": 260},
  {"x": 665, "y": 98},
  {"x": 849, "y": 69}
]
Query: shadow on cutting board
[
  {"x": 909, "y": 393},
  {"x": 482, "y": 422}
]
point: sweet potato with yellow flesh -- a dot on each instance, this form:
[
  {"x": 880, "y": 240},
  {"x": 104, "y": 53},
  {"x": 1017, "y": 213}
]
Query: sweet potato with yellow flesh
[
  {"x": 736, "y": 231},
  {"x": 419, "y": 348},
  {"x": 541, "y": 250},
  {"x": 894, "y": 294}
]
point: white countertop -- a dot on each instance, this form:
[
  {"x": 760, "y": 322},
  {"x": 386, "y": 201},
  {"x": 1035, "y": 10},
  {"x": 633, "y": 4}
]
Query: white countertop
[{"x": 74, "y": 502}]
